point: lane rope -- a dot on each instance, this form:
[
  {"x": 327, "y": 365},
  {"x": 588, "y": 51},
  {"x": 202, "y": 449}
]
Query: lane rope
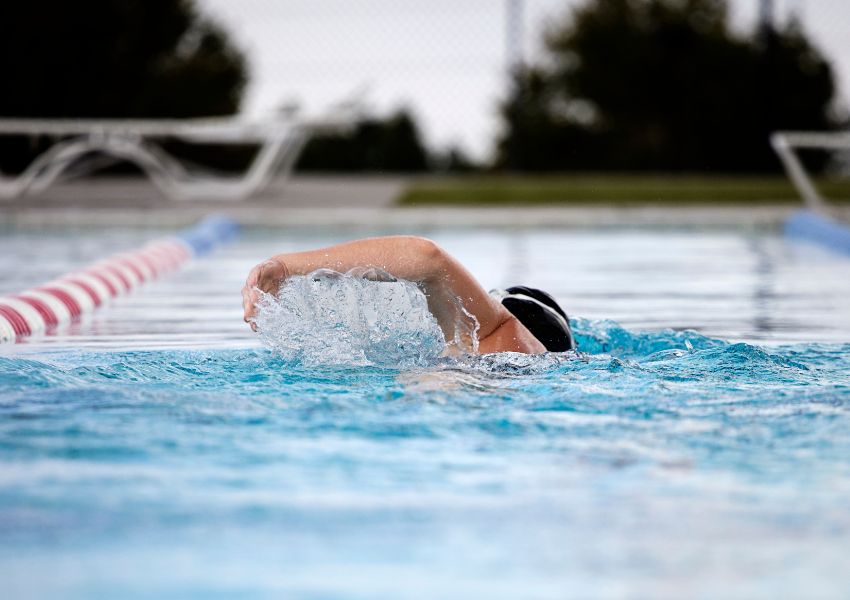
[
  {"x": 80, "y": 292},
  {"x": 817, "y": 228}
]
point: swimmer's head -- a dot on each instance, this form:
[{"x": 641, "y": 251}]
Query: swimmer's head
[{"x": 540, "y": 314}]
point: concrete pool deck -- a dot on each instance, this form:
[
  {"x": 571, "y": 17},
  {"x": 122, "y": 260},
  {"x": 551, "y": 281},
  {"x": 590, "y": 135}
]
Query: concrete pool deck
[{"x": 342, "y": 201}]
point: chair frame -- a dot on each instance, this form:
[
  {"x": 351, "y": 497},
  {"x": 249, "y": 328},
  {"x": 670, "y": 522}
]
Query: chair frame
[
  {"x": 279, "y": 141},
  {"x": 785, "y": 143}
]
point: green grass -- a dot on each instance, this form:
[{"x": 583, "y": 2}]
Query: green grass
[{"x": 497, "y": 190}]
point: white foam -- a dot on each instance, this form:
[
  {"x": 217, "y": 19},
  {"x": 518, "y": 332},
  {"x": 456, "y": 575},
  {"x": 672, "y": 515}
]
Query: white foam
[{"x": 361, "y": 317}]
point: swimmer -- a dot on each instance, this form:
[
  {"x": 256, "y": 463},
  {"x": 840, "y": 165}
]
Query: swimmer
[{"x": 518, "y": 319}]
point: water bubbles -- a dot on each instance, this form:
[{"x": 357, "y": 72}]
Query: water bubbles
[{"x": 365, "y": 316}]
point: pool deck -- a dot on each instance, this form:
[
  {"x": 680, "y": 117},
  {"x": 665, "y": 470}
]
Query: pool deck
[{"x": 340, "y": 201}]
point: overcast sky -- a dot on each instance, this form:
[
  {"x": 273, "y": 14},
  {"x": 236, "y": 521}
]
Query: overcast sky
[{"x": 445, "y": 59}]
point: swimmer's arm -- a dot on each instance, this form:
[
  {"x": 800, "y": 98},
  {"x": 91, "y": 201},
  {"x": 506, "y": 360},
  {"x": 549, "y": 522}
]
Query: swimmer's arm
[{"x": 442, "y": 277}]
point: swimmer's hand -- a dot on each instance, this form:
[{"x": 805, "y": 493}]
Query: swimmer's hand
[{"x": 267, "y": 277}]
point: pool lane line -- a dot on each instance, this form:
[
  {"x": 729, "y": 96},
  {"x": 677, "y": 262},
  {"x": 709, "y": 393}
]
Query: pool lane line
[
  {"x": 81, "y": 292},
  {"x": 815, "y": 227}
]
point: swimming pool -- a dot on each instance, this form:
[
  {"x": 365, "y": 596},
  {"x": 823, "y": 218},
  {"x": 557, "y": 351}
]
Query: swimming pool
[{"x": 158, "y": 449}]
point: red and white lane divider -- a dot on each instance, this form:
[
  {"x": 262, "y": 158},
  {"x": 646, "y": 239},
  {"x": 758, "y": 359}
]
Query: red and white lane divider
[{"x": 68, "y": 297}]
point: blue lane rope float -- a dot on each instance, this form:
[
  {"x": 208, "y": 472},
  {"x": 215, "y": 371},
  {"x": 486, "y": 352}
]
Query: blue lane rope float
[
  {"x": 209, "y": 234},
  {"x": 814, "y": 227},
  {"x": 66, "y": 298}
]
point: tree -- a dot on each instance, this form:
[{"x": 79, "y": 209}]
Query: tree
[
  {"x": 115, "y": 58},
  {"x": 111, "y": 59},
  {"x": 662, "y": 85},
  {"x": 391, "y": 144}
]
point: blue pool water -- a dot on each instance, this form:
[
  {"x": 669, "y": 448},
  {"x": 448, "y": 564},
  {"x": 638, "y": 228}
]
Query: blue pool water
[
  {"x": 657, "y": 464},
  {"x": 160, "y": 451}
]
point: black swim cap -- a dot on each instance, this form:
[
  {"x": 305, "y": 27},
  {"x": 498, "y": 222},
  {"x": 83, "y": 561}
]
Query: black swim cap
[{"x": 541, "y": 315}]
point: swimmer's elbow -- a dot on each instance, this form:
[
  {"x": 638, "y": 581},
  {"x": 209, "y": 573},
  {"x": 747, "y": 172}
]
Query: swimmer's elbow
[
  {"x": 424, "y": 247},
  {"x": 428, "y": 254}
]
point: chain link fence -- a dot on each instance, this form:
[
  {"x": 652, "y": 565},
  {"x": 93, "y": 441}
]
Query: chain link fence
[{"x": 445, "y": 60}]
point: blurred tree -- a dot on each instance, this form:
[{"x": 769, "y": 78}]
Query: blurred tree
[
  {"x": 454, "y": 160},
  {"x": 111, "y": 59},
  {"x": 115, "y": 58},
  {"x": 662, "y": 85},
  {"x": 393, "y": 144}
]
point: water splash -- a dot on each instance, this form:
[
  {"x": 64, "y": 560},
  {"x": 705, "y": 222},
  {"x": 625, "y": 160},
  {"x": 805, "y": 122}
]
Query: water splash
[
  {"x": 609, "y": 337},
  {"x": 365, "y": 316}
]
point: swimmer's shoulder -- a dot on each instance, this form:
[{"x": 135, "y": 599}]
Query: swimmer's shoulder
[{"x": 510, "y": 336}]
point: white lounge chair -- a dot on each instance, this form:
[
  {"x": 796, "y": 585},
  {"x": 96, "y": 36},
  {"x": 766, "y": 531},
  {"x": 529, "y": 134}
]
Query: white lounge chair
[
  {"x": 785, "y": 143},
  {"x": 280, "y": 141}
]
